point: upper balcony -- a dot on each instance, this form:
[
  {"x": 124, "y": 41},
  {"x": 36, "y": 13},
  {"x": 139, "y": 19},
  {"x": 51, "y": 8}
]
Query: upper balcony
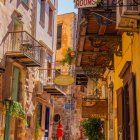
[
  {"x": 128, "y": 15},
  {"x": 23, "y": 48},
  {"x": 51, "y": 87}
]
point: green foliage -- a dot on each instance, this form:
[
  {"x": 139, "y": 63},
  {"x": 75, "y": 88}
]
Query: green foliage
[
  {"x": 93, "y": 128},
  {"x": 68, "y": 59},
  {"x": 16, "y": 110}
]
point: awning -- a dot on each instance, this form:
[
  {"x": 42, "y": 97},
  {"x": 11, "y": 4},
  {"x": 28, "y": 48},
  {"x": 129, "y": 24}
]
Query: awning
[{"x": 94, "y": 108}]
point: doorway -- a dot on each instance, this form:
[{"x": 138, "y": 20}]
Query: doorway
[
  {"x": 15, "y": 97},
  {"x": 47, "y": 122}
]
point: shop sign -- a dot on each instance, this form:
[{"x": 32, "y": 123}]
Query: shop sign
[
  {"x": 64, "y": 80},
  {"x": 85, "y": 3},
  {"x": 94, "y": 108},
  {"x": 68, "y": 106}
]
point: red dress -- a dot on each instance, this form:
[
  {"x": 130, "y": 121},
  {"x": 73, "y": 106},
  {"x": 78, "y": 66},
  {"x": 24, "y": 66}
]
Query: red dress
[{"x": 59, "y": 130}]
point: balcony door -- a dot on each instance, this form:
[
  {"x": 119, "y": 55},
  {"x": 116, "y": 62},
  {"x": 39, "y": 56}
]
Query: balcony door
[
  {"x": 126, "y": 107},
  {"x": 47, "y": 121},
  {"x": 10, "y": 123},
  {"x": 16, "y": 37}
]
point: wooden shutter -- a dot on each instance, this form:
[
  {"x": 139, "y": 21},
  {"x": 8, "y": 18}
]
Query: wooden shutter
[
  {"x": 120, "y": 112},
  {"x": 7, "y": 126},
  {"x": 6, "y": 89},
  {"x": 15, "y": 83},
  {"x": 132, "y": 106},
  {"x": 42, "y": 12},
  {"x": 26, "y": 1},
  {"x": 50, "y": 21}
]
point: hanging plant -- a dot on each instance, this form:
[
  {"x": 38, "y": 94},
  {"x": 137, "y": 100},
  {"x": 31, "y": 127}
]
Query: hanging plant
[
  {"x": 93, "y": 128},
  {"x": 16, "y": 110},
  {"x": 69, "y": 56}
]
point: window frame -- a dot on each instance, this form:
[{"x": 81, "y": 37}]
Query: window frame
[
  {"x": 59, "y": 39},
  {"x": 42, "y": 11},
  {"x": 50, "y": 20},
  {"x": 26, "y": 4}
]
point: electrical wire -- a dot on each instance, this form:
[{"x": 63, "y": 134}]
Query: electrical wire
[{"x": 103, "y": 17}]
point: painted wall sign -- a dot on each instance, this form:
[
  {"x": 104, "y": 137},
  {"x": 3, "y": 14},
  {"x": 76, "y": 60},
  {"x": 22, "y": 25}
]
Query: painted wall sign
[
  {"x": 68, "y": 106},
  {"x": 85, "y": 3}
]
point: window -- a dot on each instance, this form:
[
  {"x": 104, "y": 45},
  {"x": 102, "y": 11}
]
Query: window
[
  {"x": 25, "y": 2},
  {"x": 28, "y": 121},
  {"x": 59, "y": 36},
  {"x": 50, "y": 22},
  {"x": 42, "y": 13},
  {"x": 132, "y": 8},
  {"x": 56, "y": 118},
  {"x": 49, "y": 69},
  {"x": 82, "y": 89}
]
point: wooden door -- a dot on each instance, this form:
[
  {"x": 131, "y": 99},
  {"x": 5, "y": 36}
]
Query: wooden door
[
  {"x": 7, "y": 126},
  {"x": 120, "y": 112},
  {"x": 132, "y": 106},
  {"x": 15, "y": 83},
  {"x": 126, "y": 116},
  {"x": 47, "y": 121}
]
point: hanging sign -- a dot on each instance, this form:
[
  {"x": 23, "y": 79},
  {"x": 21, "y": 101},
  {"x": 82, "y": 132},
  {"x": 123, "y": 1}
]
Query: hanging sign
[
  {"x": 85, "y": 3},
  {"x": 92, "y": 108},
  {"x": 68, "y": 106},
  {"x": 64, "y": 80}
]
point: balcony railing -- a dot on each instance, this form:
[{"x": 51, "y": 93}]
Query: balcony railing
[
  {"x": 50, "y": 86},
  {"x": 24, "y": 48}
]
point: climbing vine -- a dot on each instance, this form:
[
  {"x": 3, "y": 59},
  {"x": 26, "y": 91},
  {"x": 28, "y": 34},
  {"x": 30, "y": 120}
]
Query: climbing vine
[{"x": 16, "y": 110}]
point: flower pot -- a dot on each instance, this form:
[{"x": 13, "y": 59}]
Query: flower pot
[{"x": 72, "y": 54}]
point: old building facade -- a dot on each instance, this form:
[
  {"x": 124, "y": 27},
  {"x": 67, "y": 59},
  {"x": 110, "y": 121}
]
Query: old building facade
[
  {"x": 27, "y": 48},
  {"x": 64, "y": 105},
  {"x": 116, "y": 67}
]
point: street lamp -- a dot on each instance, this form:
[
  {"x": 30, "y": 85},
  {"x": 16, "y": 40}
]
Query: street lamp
[{"x": 7, "y": 103}]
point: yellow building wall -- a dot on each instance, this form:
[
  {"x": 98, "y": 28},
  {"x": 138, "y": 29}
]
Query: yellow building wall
[
  {"x": 130, "y": 52},
  {"x": 67, "y": 41}
]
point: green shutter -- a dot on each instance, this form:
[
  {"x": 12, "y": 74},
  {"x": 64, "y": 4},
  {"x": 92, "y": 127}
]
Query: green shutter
[
  {"x": 15, "y": 83},
  {"x": 7, "y": 126},
  {"x": 25, "y": 1}
]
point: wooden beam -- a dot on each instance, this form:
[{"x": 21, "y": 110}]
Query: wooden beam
[{"x": 102, "y": 30}]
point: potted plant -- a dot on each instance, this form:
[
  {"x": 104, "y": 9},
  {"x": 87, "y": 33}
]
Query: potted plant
[
  {"x": 93, "y": 128},
  {"x": 69, "y": 56},
  {"x": 16, "y": 110}
]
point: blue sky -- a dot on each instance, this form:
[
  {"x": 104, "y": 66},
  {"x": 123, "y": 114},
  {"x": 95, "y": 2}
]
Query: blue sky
[{"x": 66, "y": 6}]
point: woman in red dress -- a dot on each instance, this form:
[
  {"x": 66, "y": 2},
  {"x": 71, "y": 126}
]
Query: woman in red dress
[{"x": 60, "y": 131}]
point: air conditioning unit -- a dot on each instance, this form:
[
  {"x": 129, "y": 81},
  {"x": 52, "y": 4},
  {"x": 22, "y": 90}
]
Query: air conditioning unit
[
  {"x": 127, "y": 20},
  {"x": 39, "y": 87}
]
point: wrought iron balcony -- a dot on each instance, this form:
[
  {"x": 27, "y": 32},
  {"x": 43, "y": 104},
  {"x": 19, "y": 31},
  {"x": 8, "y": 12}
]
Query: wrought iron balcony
[
  {"x": 23, "y": 48},
  {"x": 51, "y": 87}
]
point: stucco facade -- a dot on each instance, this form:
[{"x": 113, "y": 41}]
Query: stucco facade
[
  {"x": 66, "y": 36},
  {"x": 130, "y": 52},
  {"x": 23, "y": 80}
]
